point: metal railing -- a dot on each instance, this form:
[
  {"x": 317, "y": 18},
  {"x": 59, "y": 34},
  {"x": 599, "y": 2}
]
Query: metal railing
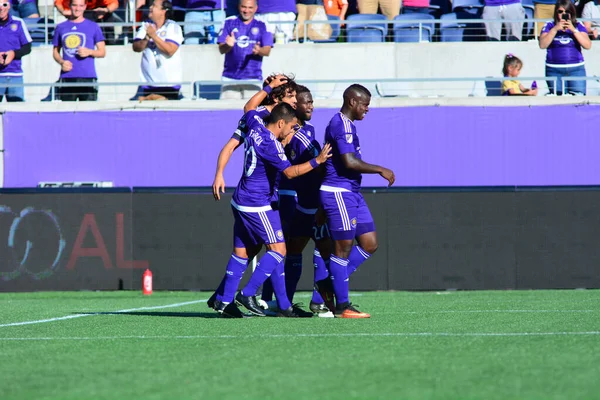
[
  {"x": 456, "y": 29},
  {"x": 460, "y": 87}
]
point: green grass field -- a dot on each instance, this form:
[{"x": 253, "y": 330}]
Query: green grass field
[{"x": 447, "y": 345}]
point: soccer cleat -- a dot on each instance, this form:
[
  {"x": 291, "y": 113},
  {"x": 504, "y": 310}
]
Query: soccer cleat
[
  {"x": 211, "y": 303},
  {"x": 250, "y": 303},
  {"x": 230, "y": 310},
  {"x": 347, "y": 310},
  {"x": 325, "y": 289},
  {"x": 294, "y": 312},
  {"x": 320, "y": 310}
]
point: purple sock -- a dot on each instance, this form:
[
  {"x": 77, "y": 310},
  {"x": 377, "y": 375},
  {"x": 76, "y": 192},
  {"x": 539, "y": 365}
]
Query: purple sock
[
  {"x": 235, "y": 270},
  {"x": 339, "y": 277},
  {"x": 293, "y": 271},
  {"x": 357, "y": 257},
  {"x": 267, "y": 291},
  {"x": 265, "y": 267},
  {"x": 278, "y": 279},
  {"x": 321, "y": 273}
]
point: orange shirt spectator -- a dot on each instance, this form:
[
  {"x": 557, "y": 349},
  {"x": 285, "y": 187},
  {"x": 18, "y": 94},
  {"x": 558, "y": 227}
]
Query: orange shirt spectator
[
  {"x": 337, "y": 8},
  {"x": 64, "y": 6}
]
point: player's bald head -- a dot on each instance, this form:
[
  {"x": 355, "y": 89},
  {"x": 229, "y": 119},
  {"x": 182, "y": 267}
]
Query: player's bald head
[{"x": 356, "y": 92}]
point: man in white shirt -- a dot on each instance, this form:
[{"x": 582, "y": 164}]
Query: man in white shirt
[{"x": 158, "y": 39}]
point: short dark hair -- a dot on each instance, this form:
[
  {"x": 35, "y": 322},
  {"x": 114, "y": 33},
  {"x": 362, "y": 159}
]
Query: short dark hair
[
  {"x": 282, "y": 111},
  {"x": 356, "y": 90},
  {"x": 302, "y": 89}
]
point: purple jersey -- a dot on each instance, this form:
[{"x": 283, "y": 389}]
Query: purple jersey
[
  {"x": 564, "y": 49},
  {"x": 240, "y": 63},
  {"x": 242, "y": 128},
  {"x": 341, "y": 134},
  {"x": 276, "y": 6},
  {"x": 264, "y": 157},
  {"x": 302, "y": 148},
  {"x": 70, "y": 36},
  {"x": 204, "y": 5},
  {"x": 13, "y": 36}
]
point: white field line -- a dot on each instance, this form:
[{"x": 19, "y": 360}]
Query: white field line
[
  {"x": 42, "y": 321},
  {"x": 311, "y": 335},
  {"x": 498, "y": 311}
]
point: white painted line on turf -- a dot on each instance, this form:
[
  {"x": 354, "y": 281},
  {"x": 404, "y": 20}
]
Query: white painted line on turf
[
  {"x": 41, "y": 321},
  {"x": 497, "y": 311},
  {"x": 313, "y": 335}
]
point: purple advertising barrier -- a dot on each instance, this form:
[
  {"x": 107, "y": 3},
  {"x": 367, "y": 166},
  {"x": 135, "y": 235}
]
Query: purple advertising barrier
[{"x": 425, "y": 146}]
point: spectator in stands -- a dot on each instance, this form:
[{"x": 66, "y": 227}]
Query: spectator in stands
[
  {"x": 512, "y": 69},
  {"x": 587, "y": 9},
  {"x": 24, "y": 9},
  {"x": 97, "y": 11},
  {"x": 337, "y": 8},
  {"x": 543, "y": 9},
  {"x": 197, "y": 14},
  {"x": 311, "y": 10},
  {"x": 273, "y": 11},
  {"x": 158, "y": 40},
  {"x": 15, "y": 42},
  {"x": 77, "y": 43},
  {"x": 389, "y": 8},
  {"x": 244, "y": 41},
  {"x": 495, "y": 11},
  {"x": 563, "y": 38}
]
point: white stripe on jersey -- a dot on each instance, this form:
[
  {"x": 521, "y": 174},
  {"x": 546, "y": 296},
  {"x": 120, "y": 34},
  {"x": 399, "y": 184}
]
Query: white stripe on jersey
[
  {"x": 343, "y": 212},
  {"x": 248, "y": 209},
  {"x": 268, "y": 227},
  {"x": 23, "y": 28},
  {"x": 333, "y": 189},
  {"x": 302, "y": 137},
  {"x": 347, "y": 123}
]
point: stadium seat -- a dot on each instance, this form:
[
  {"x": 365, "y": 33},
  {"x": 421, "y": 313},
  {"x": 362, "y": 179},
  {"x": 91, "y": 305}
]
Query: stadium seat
[
  {"x": 413, "y": 31},
  {"x": 437, "y": 8},
  {"x": 207, "y": 92},
  {"x": 450, "y": 30},
  {"x": 528, "y": 26},
  {"x": 360, "y": 28},
  {"x": 335, "y": 30},
  {"x": 395, "y": 89},
  {"x": 474, "y": 7},
  {"x": 38, "y": 35},
  {"x": 493, "y": 88}
]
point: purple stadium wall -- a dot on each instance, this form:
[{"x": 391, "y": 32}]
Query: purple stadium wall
[{"x": 425, "y": 146}]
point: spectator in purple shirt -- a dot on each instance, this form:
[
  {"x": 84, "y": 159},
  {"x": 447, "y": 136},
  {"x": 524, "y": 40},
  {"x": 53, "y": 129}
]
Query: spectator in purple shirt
[
  {"x": 15, "y": 42},
  {"x": 77, "y": 43},
  {"x": 563, "y": 38},
  {"x": 244, "y": 41},
  {"x": 497, "y": 10}
]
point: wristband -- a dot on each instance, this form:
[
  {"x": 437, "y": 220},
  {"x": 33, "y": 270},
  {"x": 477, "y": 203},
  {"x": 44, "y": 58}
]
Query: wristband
[
  {"x": 268, "y": 89},
  {"x": 314, "y": 163}
]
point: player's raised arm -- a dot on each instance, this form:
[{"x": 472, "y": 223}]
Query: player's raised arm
[
  {"x": 301, "y": 169},
  {"x": 270, "y": 83},
  {"x": 353, "y": 163}
]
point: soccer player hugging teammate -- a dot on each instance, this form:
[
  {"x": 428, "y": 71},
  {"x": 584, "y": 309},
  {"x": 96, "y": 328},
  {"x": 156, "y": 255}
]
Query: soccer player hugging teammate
[
  {"x": 347, "y": 212},
  {"x": 256, "y": 223},
  {"x": 299, "y": 203}
]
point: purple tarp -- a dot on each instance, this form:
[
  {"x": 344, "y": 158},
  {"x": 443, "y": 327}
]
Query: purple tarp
[{"x": 425, "y": 146}]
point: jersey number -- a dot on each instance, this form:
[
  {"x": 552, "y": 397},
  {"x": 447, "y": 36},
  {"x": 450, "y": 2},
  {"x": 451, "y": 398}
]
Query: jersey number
[{"x": 249, "y": 169}]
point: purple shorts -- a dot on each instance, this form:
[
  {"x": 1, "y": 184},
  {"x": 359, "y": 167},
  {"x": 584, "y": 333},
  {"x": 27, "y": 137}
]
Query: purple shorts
[
  {"x": 256, "y": 228},
  {"x": 348, "y": 215}
]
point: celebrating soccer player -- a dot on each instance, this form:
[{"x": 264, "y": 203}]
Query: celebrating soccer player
[
  {"x": 256, "y": 223},
  {"x": 347, "y": 212}
]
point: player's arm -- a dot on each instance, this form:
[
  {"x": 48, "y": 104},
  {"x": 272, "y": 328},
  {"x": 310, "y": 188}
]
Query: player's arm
[
  {"x": 224, "y": 157},
  {"x": 257, "y": 99},
  {"x": 295, "y": 171},
  {"x": 354, "y": 164}
]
